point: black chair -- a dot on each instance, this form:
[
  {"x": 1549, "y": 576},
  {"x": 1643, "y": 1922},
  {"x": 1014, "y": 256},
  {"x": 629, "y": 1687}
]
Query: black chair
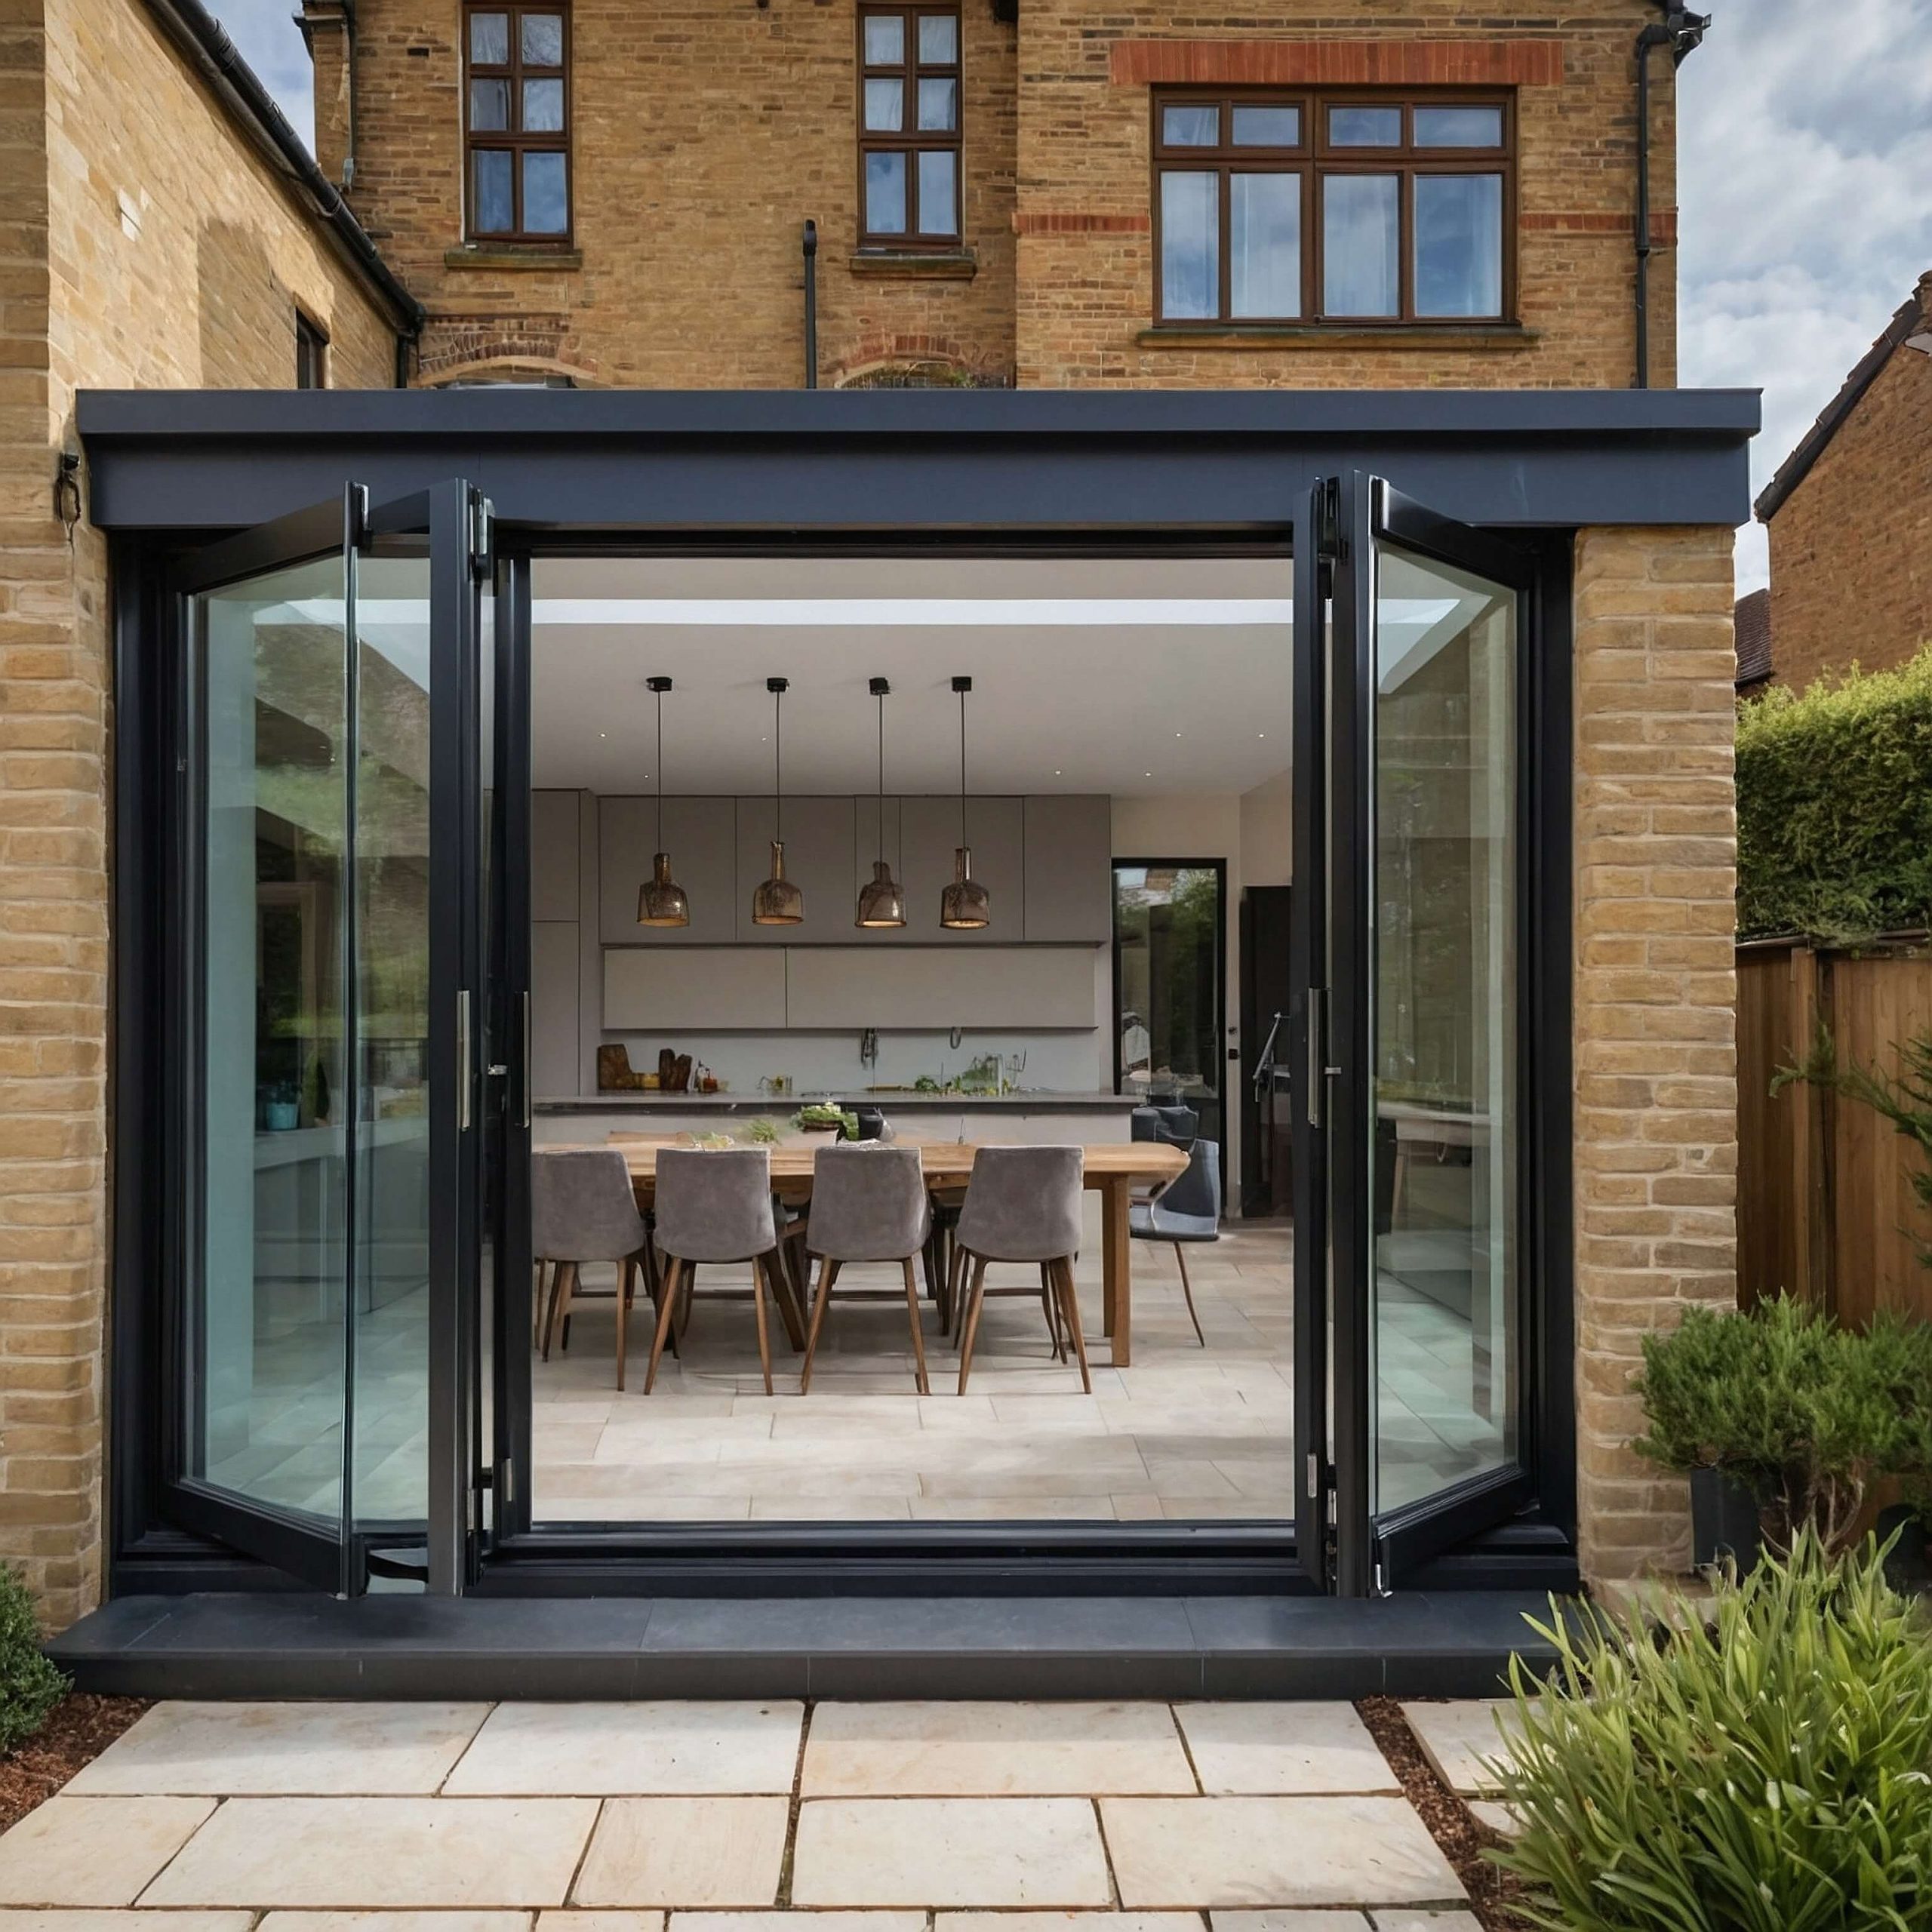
[{"x": 1189, "y": 1209}]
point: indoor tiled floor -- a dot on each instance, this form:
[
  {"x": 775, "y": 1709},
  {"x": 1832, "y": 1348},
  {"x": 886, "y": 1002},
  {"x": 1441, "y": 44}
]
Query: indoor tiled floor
[{"x": 1100, "y": 1817}]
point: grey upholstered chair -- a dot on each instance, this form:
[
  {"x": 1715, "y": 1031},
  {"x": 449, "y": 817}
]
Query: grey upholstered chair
[
  {"x": 1188, "y": 1209},
  {"x": 583, "y": 1208},
  {"x": 868, "y": 1203},
  {"x": 1023, "y": 1203},
  {"x": 716, "y": 1206}
]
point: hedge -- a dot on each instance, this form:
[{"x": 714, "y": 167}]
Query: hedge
[{"x": 1835, "y": 807}]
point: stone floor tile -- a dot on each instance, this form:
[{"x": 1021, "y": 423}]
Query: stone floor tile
[
  {"x": 1494, "y": 1817},
  {"x": 1263, "y": 1851},
  {"x": 568, "y": 1920},
  {"x": 26, "y": 1918},
  {"x": 388, "y": 1922},
  {"x": 1456, "y": 1737},
  {"x": 1293, "y": 1920},
  {"x": 365, "y": 1853},
  {"x": 797, "y": 1922},
  {"x": 95, "y": 1851},
  {"x": 277, "y": 1749},
  {"x": 685, "y": 1851},
  {"x": 1290, "y": 1748},
  {"x": 1426, "y": 1921},
  {"x": 948, "y": 1851},
  {"x": 633, "y": 1750},
  {"x": 1070, "y": 1921},
  {"x": 992, "y": 1750}
]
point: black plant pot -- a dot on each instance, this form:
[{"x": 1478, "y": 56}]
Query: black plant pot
[
  {"x": 1725, "y": 1520},
  {"x": 1908, "y": 1567}
]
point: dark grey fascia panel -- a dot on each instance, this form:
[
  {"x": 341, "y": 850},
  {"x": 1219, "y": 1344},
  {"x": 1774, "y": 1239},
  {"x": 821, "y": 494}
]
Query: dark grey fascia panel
[{"x": 800, "y": 461}]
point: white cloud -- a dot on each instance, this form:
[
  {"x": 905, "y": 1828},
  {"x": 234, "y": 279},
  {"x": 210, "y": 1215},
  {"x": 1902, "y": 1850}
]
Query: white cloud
[{"x": 270, "y": 41}]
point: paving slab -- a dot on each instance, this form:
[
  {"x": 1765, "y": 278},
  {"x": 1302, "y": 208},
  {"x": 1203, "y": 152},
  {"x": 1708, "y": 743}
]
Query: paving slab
[
  {"x": 94, "y": 1851},
  {"x": 685, "y": 1851},
  {"x": 265, "y": 1750},
  {"x": 1274, "y": 1851},
  {"x": 362, "y": 1852},
  {"x": 992, "y": 1750},
  {"x": 1494, "y": 1817},
  {"x": 645, "y": 1749},
  {"x": 567, "y": 1920},
  {"x": 1068, "y": 1922},
  {"x": 1426, "y": 1921},
  {"x": 1455, "y": 1738},
  {"x": 80, "y": 1918},
  {"x": 988, "y": 1852},
  {"x": 796, "y": 1921},
  {"x": 380, "y": 1922},
  {"x": 1283, "y": 1748},
  {"x": 1293, "y": 1920}
]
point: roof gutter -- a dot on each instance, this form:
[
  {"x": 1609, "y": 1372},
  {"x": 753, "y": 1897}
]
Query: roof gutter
[
  {"x": 201, "y": 41},
  {"x": 1683, "y": 32}
]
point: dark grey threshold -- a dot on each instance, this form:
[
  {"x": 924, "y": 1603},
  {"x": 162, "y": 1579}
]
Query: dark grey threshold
[{"x": 1455, "y": 1644}]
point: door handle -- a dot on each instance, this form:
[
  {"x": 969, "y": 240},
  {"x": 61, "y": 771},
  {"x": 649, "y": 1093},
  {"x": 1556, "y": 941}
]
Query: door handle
[
  {"x": 1315, "y": 1075},
  {"x": 462, "y": 1061},
  {"x": 523, "y": 1100}
]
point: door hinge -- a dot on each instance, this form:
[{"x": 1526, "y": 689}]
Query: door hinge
[
  {"x": 356, "y": 515},
  {"x": 482, "y": 514}
]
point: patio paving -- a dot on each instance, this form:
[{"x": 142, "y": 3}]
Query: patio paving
[{"x": 738, "y": 1817}]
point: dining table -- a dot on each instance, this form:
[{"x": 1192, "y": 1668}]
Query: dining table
[{"x": 1112, "y": 1170}]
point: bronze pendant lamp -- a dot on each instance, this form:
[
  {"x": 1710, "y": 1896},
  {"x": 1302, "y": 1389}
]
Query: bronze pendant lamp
[
  {"x": 881, "y": 902},
  {"x": 777, "y": 902},
  {"x": 965, "y": 906},
  {"x": 660, "y": 899}
]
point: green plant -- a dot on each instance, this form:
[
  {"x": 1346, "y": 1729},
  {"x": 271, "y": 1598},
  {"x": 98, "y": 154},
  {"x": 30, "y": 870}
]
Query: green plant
[
  {"x": 1834, "y": 806},
  {"x": 761, "y": 1130},
  {"x": 29, "y": 1686},
  {"x": 1762, "y": 1763}
]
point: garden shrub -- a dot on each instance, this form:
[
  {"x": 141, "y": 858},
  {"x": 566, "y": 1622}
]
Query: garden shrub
[
  {"x": 1834, "y": 806},
  {"x": 30, "y": 1685},
  {"x": 1762, "y": 1763}
]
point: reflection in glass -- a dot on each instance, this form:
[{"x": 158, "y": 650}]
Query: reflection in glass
[
  {"x": 938, "y": 213},
  {"x": 1168, "y": 958},
  {"x": 1459, "y": 127},
  {"x": 1190, "y": 247},
  {"x": 490, "y": 39},
  {"x": 1264, "y": 244},
  {"x": 1445, "y": 999},
  {"x": 1361, "y": 271},
  {"x": 543, "y": 40},
  {"x": 491, "y": 212},
  {"x": 885, "y": 105},
  {"x": 939, "y": 40},
  {"x": 1267, "y": 126},
  {"x": 1192, "y": 126},
  {"x": 885, "y": 194},
  {"x": 543, "y": 107},
  {"x": 938, "y": 106},
  {"x": 490, "y": 107},
  {"x": 1365, "y": 126},
  {"x": 885, "y": 40},
  {"x": 546, "y": 197},
  {"x": 1459, "y": 245}
]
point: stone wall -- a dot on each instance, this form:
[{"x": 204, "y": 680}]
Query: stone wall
[{"x": 1656, "y": 1088}]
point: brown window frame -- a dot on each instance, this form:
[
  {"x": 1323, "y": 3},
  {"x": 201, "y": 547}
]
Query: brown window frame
[
  {"x": 909, "y": 140},
  {"x": 312, "y": 352},
  {"x": 1315, "y": 159},
  {"x": 515, "y": 141}
]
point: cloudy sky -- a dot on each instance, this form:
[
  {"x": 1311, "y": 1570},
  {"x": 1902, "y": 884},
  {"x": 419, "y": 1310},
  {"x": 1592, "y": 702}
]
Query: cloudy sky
[{"x": 1806, "y": 156}]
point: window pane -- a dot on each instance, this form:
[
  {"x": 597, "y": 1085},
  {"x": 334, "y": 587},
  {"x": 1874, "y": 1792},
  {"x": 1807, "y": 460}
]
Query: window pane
[
  {"x": 546, "y": 203},
  {"x": 1359, "y": 245},
  {"x": 490, "y": 39},
  {"x": 1191, "y": 127},
  {"x": 1264, "y": 244},
  {"x": 939, "y": 40},
  {"x": 1190, "y": 248},
  {"x": 1459, "y": 245},
  {"x": 885, "y": 41},
  {"x": 885, "y": 194},
  {"x": 1365, "y": 126},
  {"x": 938, "y": 106},
  {"x": 489, "y": 106},
  {"x": 885, "y": 105},
  {"x": 543, "y": 40},
  {"x": 1267, "y": 126},
  {"x": 543, "y": 107},
  {"x": 938, "y": 207},
  {"x": 490, "y": 192},
  {"x": 1459, "y": 127}
]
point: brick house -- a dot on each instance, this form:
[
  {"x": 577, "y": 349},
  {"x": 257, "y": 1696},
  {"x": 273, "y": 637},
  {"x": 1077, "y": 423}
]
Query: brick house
[{"x": 1422, "y": 233}]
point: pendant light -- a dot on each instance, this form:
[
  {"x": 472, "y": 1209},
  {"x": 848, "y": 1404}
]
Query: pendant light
[
  {"x": 777, "y": 902},
  {"x": 660, "y": 899},
  {"x": 965, "y": 906},
  {"x": 880, "y": 902}
]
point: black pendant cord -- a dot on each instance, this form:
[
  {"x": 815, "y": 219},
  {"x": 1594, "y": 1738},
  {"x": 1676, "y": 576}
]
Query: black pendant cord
[
  {"x": 660, "y": 771},
  {"x": 962, "y": 767},
  {"x": 778, "y": 766},
  {"x": 881, "y": 777}
]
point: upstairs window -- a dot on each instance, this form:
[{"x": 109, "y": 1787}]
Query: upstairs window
[
  {"x": 516, "y": 122},
  {"x": 909, "y": 127},
  {"x": 1348, "y": 210},
  {"x": 312, "y": 354}
]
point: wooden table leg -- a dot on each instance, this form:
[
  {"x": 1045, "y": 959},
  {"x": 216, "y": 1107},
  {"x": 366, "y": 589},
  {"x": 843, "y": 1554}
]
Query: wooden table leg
[{"x": 1116, "y": 1269}]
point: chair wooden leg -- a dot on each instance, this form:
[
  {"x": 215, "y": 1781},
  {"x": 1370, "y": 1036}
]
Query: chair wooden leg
[
  {"x": 626, "y": 1288},
  {"x": 828, "y": 1273},
  {"x": 667, "y": 1311},
  {"x": 791, "y": 1308},
  {"x": 563, "y": 1283},
  {"x": 969, "y": 1332},
  {"x": 538, "y": 1308},
  {"x": 955, "y": 1293},
  {"x": 757, "y": 1305},
  {"x": 929, "y": 1265},
  {"x": 1070, "y": 1303},
  {"x": 918, "y": 1340},
  {"x": 1050, "y": 1304},
  {"x": 1187, "y": 1289}
]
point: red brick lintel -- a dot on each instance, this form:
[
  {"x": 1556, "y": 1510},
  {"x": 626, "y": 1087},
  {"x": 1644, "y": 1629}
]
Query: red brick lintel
[{"x": 1338, "y": 62}]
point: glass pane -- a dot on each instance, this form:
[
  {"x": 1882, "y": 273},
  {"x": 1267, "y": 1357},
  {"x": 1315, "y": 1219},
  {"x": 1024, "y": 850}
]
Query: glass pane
[
  {"x": 1365, "y": 126},
  {"x": 938, "y": 211},
  {"x": 1264, "y": 244},
  {"x": 543, "y": 40},
  {"x": 1190, "y": 247},
  {"x": 272, "y": 1308},
  {"x": 1360, "y": 275},
  {"x": 885, "y": 194},
  {"x": 491, "y": 212},
  {"x": 1196, "y": 125},
  {"x": 1459, "y": 127},
  {"x": 1267, "y": 126},
  {"x": 1167, "y": 943},
  {"x": 543, "y": 107},
  {"x": 938, "y": 106},
  {"x": 885, "y": 105},
  {"x": 939, "y": 40},
  {"x": 885, "y": 40},
  {"x": 489, "y": 106},
  {"x": 1459, "y": 245},
  {"x": 546, "y": 197},
  {"x": 1444, "y": 1231},
  {"x": 490, "y": 39}
]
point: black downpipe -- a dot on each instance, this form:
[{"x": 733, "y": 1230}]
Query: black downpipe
[
  {"x": 810, "y": 240},
  {"x": 1682, "y": 32}
]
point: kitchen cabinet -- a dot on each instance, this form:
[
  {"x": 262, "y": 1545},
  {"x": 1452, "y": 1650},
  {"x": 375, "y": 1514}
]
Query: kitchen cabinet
[
  {"x": 553, "y": 1042},
  {"x": 1012, "y": 988},
  {"x": 553, "y": 855},
  {"x": 819, "y": 832},
  {"x": 672, "y": 989},
  {"x": 1069, "y": 868},
  {"x": 701, "y": 836},
  {"x": 922, "y": 831}
]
